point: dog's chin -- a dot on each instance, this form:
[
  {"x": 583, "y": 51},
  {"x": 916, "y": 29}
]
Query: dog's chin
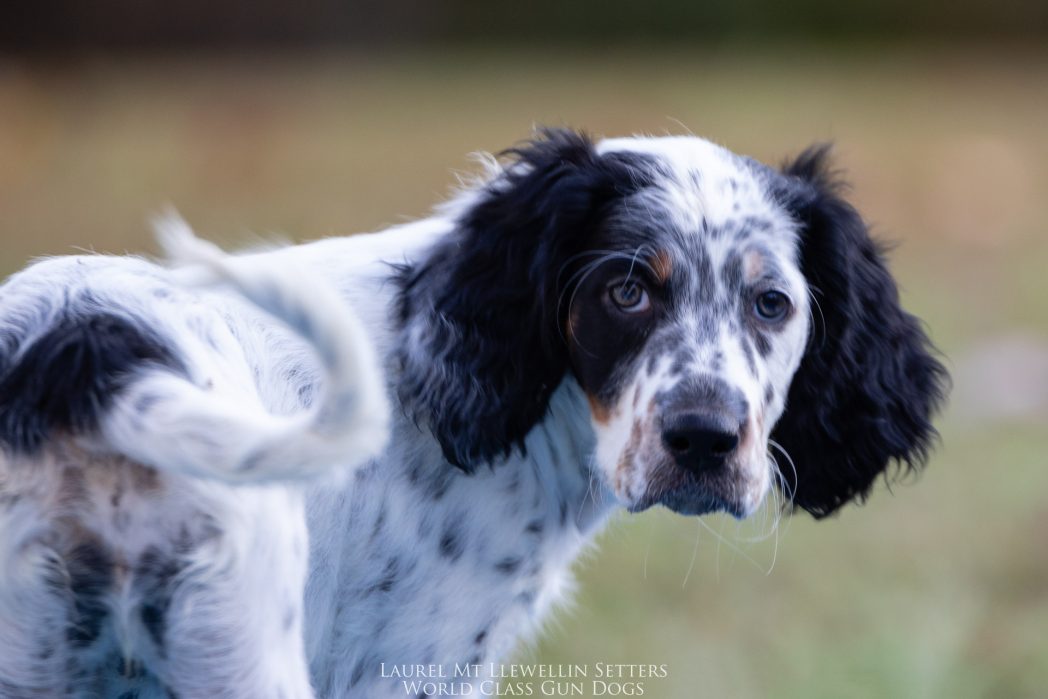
[
  {"x": 703, "y": 504},
  {"x": 693, "y": 498}
]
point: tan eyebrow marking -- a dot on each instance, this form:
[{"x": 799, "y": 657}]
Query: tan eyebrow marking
[
  {"x": 661, "y": 265},
  {"x": 752, "y": 264}
]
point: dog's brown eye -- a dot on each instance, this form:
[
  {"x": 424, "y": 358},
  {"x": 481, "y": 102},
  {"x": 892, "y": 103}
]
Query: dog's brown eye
[
  {"x": 772, "y": 306},
  {"x": 629, "y": 296}
]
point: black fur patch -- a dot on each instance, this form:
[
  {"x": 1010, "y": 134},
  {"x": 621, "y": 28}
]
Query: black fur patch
[
  {"x": 90, "y": 568},
  {"x": 156, "y": 576},
  {"x": 487, "y": 296},
  {"x": 65, "y": 378},
  {"x": 866, "y": 391}
]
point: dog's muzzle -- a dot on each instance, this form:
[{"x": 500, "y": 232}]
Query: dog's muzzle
[{"x": 702, "y": 425}]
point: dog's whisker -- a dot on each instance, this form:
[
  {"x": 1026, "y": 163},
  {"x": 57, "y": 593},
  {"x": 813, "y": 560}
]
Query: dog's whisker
[
  {"x": 791, "y": 491},
  {"x": 694, "y": 556}
]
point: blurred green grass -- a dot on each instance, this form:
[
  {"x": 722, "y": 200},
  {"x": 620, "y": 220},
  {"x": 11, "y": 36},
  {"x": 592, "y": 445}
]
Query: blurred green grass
[{"x": 938, "y": 591}]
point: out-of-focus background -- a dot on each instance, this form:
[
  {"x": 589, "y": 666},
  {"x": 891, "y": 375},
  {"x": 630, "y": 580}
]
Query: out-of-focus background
[{"x": 329, "y": 117}]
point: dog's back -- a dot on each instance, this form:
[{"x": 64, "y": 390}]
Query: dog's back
[{"x": 144, "y": 514}]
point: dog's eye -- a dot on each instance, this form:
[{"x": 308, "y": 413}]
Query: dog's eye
[
  {"x": 772, "y": 306},
  {"x": 629, "y": 296}
]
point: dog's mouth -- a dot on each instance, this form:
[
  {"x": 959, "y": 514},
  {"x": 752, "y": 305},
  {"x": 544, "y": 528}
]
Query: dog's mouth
[{"x": 728, "y": 491}]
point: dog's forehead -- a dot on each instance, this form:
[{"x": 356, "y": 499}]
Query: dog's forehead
[{"x": 711, "y": 192}]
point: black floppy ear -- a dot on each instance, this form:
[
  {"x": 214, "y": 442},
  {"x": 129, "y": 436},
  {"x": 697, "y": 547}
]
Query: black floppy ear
[
  {"x": 869, "y": 384},
  {"x": 480, "y": 351}
]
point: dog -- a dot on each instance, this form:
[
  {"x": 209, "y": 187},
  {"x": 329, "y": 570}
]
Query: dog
[{"x": 198, "y": 497}]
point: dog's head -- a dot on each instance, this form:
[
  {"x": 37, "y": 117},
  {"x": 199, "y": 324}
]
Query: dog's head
[{"x": 710, "y": 308}]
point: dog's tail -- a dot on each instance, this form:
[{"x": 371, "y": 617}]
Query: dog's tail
[{"x": 165, "y": 421}]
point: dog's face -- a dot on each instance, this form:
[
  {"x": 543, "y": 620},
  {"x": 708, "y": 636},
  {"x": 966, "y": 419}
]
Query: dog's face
[
  {"x": 687, "y": 318},
  {"x": 674, "y": 281}
]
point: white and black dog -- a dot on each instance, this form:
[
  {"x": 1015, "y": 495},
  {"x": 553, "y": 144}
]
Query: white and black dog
[{"x": 197, "y": 493}]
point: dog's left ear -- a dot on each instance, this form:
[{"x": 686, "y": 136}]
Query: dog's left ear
[
  {"x": 480, "y": 350},
  {"x": 869, "y": 384}
]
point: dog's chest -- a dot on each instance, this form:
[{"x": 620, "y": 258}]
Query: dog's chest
[{"x": 415, "y": 563}]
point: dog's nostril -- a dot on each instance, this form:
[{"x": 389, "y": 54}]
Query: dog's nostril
[
  {"x": 723, "y": 445},
  {"x": 678, "y": 442}
]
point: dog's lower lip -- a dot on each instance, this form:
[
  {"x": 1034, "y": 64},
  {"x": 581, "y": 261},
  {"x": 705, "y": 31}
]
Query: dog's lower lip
[{"x": 695, "y": 506}]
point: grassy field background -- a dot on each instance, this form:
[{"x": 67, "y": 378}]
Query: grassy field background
[{"x": 937, "y": 590}]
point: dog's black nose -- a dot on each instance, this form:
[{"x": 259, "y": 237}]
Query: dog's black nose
[{"x": 699, "y": 442}]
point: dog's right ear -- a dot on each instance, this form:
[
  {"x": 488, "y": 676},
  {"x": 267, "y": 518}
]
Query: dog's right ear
[
  {"x": 870, "y": 381},
  {"x": 480, "y": 352}
]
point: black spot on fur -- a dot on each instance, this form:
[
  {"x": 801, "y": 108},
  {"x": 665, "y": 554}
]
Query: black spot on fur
[
  {"x": 66, "y": 377},
  {"x": 706, "y": 277},
  {"x": 487, "y": 297},
  {"x": 535, "y": 527},
  {"x": 90, "y": 568},
  {"x": 389, "y": 578},
  {"x": 508, "y": 565},
  {"x": 717, "y": 363},
  {"x": 153, "y": 619},
  {"x": 763, "y": 344},
  {"x": 731, "y": 272},
  {"x": 306, "y": 395},
  {"x": 681, "y": 359},
  {"x": 664, "y": 341},
  {"x": 365, "y": 473},
  {"x": 451, "y": 545},
  {"x": 156, "y": 575},
  {"x": 754, "y": 223},
  {"x": 479, "y": 638},
  {"x": 415, "y": 472},
  {"x": 380, "y": 521},
  {"x": 440, "y": 486},
  {"x": 866, "y": 391},
  {"x": 747, "y": 352}
]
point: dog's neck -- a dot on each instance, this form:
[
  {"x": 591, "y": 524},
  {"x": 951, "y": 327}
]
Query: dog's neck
[
  {"x": 559, "y": 452},
  {"x": 418, "y": 542}
]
